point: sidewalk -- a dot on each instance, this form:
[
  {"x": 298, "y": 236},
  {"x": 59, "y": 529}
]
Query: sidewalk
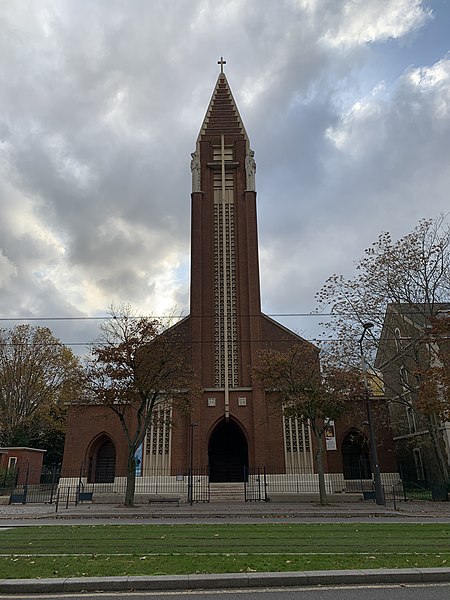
[{"x": 426, "y": 510}]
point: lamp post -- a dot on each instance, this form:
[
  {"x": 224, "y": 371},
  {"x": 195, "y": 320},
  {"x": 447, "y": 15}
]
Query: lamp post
[
  {"x": 379, "y": 491},
  {"x": 191, "y": 464}
]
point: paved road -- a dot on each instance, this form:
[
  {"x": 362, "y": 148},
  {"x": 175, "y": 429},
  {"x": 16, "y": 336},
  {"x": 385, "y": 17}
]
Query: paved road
[{"x": 405, "y": 592}]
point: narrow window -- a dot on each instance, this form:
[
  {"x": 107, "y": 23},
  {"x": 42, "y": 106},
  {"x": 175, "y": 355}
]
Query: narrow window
[
  {"x": 398, "y": 339},
  {"x": 418, "y": 463}
]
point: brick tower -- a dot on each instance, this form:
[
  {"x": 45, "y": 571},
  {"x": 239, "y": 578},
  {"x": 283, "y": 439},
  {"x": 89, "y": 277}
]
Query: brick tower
[
  {"x": 234, "y": 427},
  {"x": 231, "y": 427}
]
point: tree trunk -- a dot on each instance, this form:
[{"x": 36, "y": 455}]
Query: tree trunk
[
  {"x": 320, "y": 471},
  {"x": 131, "y": 479}
]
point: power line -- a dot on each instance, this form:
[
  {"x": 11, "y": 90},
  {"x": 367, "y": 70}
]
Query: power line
[
  {"x": 195, "y": 342},
  {"x": 110, "y": 317},
  {"x": 410, "y": 311}
]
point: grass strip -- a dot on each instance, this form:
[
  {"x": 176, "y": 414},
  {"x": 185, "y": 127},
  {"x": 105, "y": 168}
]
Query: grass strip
[
  {"x": 64, "y": 551},
  {"x": 101, "y": 566}
]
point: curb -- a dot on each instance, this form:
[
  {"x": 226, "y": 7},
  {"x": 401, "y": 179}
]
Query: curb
[{"x": 225, "y": 581}]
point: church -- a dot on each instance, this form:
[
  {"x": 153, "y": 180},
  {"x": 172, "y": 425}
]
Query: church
[{"x": 232, "y": 429}]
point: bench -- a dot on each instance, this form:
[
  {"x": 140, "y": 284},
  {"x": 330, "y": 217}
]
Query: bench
[
  {"x": 369, "y": 495},
  {"x": 85, "y": 496},
  {"x": 18, "y": 499},
  {"x": 164, "y": 499}
]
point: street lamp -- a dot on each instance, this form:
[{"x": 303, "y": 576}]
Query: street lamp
[{"x": 379, "y": 491}]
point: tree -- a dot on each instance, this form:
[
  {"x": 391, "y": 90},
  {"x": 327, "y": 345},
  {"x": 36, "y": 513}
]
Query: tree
[
  {"x": 312, "y": 395},
  {"x": 406, "y": 281},
  {"x": 38, "y": 374},
  {"x": 137, "y": 364}
]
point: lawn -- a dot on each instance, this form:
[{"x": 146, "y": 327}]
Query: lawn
[{"x": 64, "y": 551}]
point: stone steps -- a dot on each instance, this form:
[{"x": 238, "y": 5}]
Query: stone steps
[{"x": 226, "y": 492}]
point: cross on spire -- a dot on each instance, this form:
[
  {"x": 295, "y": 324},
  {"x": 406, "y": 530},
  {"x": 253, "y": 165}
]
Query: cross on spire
[{"x": 221, "y": 62}]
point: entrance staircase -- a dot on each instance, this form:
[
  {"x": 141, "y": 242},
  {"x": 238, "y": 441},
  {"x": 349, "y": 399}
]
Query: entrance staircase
[{"x": 226, "y": 492}]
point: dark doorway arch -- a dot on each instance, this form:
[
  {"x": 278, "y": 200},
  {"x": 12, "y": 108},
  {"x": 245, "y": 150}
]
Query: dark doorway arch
[
  {"x": 227, "y": 453},
  {"x": 102, "y": 461},
  {"x": 355, "y": 456},
  {"x": 105, "y": 467}
]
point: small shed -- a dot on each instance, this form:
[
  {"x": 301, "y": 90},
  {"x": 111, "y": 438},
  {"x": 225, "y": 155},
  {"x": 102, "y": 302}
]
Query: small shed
[{"x": 26, "y": 462}]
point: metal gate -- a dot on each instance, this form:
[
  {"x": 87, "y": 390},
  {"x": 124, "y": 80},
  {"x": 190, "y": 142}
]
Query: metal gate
[
  {"x": 255, "y": 484},
  {"x": 198, "y": 485}
]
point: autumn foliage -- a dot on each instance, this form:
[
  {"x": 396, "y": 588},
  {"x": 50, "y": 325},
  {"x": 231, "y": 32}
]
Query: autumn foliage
[
  {"x": 136, "y": 364},
  {"x": 309, "y": 392},
  {"x": 38, "y": 376}
]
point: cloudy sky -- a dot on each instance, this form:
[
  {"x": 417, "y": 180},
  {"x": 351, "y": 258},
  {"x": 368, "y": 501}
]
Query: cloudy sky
[{"x": 346, "y": 102}]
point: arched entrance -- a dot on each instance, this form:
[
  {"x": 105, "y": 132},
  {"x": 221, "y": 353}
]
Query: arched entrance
[
  {"x": 227, "y": 453},
  {"x": 102, "y": 461},
  {"x": 355, "y": 456}
]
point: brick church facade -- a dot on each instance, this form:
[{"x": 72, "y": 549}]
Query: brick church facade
[{"x": 232, "y": 427}]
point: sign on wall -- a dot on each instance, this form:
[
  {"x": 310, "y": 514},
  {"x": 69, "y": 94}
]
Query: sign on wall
[{"x": 330, "y": 435}]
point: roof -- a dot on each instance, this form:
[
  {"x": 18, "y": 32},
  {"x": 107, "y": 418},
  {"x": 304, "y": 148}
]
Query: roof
[
  {"x": 418, "y": 313},
  {"x": 416, "y": 318},
  {"x": 222, "y": 115},
  {"x": 7, "y": 449}
]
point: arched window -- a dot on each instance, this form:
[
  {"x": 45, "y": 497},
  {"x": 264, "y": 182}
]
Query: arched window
[
  {"x": 404, "y": 382},
  {"x": 411, "y": 419},
  {"x": 418, "y": 463},
  {"x": 398, "y": 339}
]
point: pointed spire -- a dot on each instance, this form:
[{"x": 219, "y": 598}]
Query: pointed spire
[{"x": 222, "y": 116}]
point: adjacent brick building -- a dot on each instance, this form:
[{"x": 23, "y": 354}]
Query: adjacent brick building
[
  {"x": 25, "y": 463},
  {"x": 406, "y": 349}
]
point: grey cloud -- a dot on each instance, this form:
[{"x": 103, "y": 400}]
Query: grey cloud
[{"x": 101, "y": 109}]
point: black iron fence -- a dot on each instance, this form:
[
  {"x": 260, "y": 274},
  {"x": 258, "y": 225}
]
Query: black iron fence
[
  {"x": 27, "y": 485},
  {"x": 53, "y": 486},
  {"x": 418, "y": 483}
]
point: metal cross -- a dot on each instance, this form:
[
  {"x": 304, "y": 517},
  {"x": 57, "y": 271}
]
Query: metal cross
[{"x": 221, "y": 62}]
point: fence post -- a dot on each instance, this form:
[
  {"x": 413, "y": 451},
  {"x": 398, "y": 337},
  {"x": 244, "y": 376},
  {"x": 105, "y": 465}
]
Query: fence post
[
  {"x": 80, "y": 484},
  {"x": 394, "y": 498},
  {"x": 57, "y": 500},
  {"x": 53, "y": 484},
  {"x": 259, "y": 483},
  {"x": 402, "y": 475},
  {"x": 25, "y": 487},
  {"x": 190, "y": 499},
  {"x": 265, "y": 484},
  {"x": 245, "y": 483}
]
